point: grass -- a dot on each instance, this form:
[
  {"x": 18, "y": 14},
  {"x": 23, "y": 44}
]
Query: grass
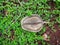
[{"x": 11, "y": 13}]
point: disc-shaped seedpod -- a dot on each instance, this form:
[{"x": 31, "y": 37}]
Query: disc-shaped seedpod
[{"x": 33, "y": 23}]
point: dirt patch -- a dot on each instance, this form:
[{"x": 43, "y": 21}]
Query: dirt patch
[
  {"x": 51, "y": 3},
  {"x": 56, "y": 26},
  {"x": 54, "y": 36},
  {"x": 25, "y": 0},
  {"x": 12, "y": 34},
  {"x": 53, "y": 18},
  {"x": 39, "y": 43}
]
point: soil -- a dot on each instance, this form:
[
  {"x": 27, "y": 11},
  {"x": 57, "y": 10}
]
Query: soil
[
  {"x": 51, "y": 3},
  {"x": 54, "y": 36},
  {"x": 12, "y": 34}
]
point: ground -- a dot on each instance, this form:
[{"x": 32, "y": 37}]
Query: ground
[{"x": 11, "y": 13}]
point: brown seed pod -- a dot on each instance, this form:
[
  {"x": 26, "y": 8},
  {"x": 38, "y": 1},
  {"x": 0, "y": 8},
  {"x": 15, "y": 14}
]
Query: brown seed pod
[{"x": 33, "y": 23}]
